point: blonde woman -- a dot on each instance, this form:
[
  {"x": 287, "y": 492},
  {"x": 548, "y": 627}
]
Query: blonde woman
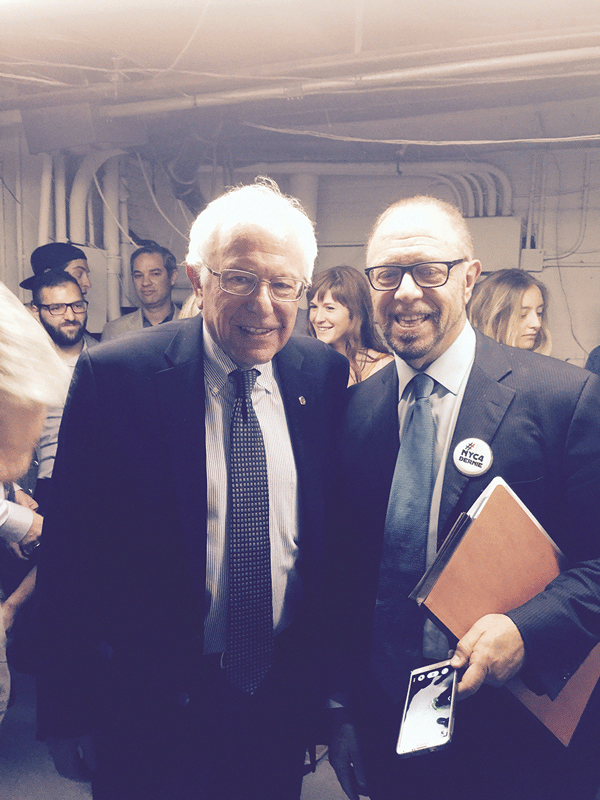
[{"x": 511, "y": 307}]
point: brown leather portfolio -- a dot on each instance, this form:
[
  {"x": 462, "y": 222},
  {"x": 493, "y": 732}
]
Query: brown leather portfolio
[{"x": 495, "y": 558}]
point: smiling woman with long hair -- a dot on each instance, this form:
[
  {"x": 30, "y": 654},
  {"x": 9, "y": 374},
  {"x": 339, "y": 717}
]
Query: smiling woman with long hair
[
  {"x": 340, "y": 313},
  {"x": 511, "y": 307}
]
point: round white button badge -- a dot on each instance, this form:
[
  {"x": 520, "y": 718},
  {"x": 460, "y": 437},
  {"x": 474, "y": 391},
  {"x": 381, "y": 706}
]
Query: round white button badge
[{"x": 473, "y": 457}]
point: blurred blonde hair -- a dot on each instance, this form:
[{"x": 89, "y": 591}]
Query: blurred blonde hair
[
  {"x": 189, "y": 307},
  {"x": 495, "y": 307},
  {"x": 31, "y": 372}
]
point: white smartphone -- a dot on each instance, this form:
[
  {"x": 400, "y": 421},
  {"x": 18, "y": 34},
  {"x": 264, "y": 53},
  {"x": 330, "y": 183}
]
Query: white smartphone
[{"x": 428, "y": 718}]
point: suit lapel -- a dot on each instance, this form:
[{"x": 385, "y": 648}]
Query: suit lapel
[
  {"x": 180, "y": 396},
  {"x": 299, "y": 400},
  {"x": 485, "y": 402}
]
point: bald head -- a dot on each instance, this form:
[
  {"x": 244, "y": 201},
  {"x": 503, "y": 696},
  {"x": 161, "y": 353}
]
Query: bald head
[
  {"x": 420, "y": 324},
  {"x": 422, "y": 213}
]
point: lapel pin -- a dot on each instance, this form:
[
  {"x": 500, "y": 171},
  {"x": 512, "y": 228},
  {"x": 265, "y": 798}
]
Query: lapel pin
[
  {"x": 302, "y": 400},
  {"x": 472, "y": 457}
]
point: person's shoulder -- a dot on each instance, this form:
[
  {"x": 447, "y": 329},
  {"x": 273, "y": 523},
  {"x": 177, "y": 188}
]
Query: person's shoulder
[
  {"x": 526, "y": 370},
  {"x": 121, "y": 325},
  {"x": 310, "y": 347},
  {"x": 144, "y": 345}
]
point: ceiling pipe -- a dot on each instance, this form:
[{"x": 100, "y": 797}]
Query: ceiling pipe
[
  {"x": 45, "y": 200},
  {"x": 353, "y": 83},
  {"x": 353, "y": 63},
  {"x": 60, "y": 199},
  {"x": 110, "y": 187},
  {"x": 125, "y": 245},
  {"x": 493, "y": 184},
  {"x": 80, "y": 190}
]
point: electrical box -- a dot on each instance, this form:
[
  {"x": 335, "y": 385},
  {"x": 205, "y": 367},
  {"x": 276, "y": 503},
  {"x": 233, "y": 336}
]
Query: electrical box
[{"x": 532, "y": 260}]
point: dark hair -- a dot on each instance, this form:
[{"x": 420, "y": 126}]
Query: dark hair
[
  {"x": 169, "y": 260},
  {"x": 350, "y": 288},
  {"x": 50, "y": 279}
]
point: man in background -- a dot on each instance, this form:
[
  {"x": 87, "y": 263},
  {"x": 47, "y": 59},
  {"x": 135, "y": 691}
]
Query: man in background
[
  {"x": 533, "y": 421},
  {"x": 154, "y": 273},
  {"x": 31, "y": 377},
  {"x": 59, "y": 256},
  {"x": 62, "y": 312}
]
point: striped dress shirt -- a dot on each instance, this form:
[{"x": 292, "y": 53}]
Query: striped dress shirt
[{"x": 283, "y": 492}]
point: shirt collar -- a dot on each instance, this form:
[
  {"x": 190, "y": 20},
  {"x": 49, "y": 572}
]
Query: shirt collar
[
  {"x": 450, "y": 368},
  {"x": 218, "y": 366}
]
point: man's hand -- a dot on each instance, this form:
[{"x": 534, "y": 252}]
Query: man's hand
[
  {"x": 493, "y": 652},
  {"x": 73, "y": 758},
  {"x": 33, "y": 535},
  {"x": 344, "y": 757},
  {"x": 24, "y": 499},
  {"x": 9, "y": 613}
]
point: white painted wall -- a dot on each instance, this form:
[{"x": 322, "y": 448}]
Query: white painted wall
[{"x": 565, "y": 212}]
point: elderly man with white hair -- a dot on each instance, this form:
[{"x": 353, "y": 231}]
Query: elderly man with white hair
[
  {"x": 186, "y": 573},
  {"x": 31, "y": 378}
]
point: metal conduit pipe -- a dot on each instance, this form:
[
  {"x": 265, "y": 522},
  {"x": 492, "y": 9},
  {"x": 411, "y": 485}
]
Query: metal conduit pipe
[
  {"x": 45, "y": 199},
  {"x": 467, "y": 192},
  {"x": 458, "y": 201},
  {"x": 110, "y": 189},
  {"x": 60, "y": 199},
  {"x": 125, "y": 249},
  {"x": 485, "y": 169},
  {"x": 478, "y": 195},
  {"x": 390, "y": 78},
  {"x": 499, "y": 199},
  {"x": 80, "y": 190},
  {"x": 490, "y": 193},
  {"x": 353, "y": 63}
]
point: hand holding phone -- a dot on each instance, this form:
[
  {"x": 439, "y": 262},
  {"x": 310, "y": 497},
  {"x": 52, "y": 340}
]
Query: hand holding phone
[{"x": 428, "y": 717}]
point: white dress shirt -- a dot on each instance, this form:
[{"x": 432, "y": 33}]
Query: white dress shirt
[{"x": 15, "y": 520}]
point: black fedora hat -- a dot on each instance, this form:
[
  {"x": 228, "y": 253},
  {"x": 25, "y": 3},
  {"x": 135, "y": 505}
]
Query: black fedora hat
[{"x": 53, "y": 256}]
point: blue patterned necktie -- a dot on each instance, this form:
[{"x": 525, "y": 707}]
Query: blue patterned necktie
[
  {"x": 250, "y": 622},
  {"x": 398, "y": 624}
]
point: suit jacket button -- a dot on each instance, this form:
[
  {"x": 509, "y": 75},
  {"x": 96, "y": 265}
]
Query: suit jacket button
[{"x": 183, "y": 699}]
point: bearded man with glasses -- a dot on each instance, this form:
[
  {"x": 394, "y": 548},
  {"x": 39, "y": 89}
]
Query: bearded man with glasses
[
  {"x": 62, "y": 310},
  {"x": 533, "y": 421}
]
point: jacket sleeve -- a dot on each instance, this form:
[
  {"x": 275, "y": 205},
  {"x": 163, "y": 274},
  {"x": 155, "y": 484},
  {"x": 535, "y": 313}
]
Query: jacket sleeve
[{"x": 562, "y": 624}]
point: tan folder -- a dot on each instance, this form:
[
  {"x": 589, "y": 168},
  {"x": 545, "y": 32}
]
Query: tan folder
[{"x": 495, "y": 558}]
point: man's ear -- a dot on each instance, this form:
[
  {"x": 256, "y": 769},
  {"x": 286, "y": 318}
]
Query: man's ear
[
  {"x": 196, "y": 285},
  {"x": 173, "y": 276},
  {"x": 473, "y": 272}
]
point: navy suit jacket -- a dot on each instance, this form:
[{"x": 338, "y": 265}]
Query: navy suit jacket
[
  {"x": 122, "y": 580},
  {"x": 541, "y": 418}
]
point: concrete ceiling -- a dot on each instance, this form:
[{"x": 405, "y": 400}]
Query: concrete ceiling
[{"x": 154, "y": 74}]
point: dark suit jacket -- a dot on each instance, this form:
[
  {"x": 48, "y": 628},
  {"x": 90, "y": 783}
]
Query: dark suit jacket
[
  {"x": 122, "y": 581},
  {"x": 541, "y": 418}
]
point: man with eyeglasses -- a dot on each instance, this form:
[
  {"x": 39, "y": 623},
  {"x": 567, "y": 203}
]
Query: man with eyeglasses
[
  {"x": 533, "y": 421},
  {"x": 186, "y": 574},
  {"x": 59, "y": 302}
]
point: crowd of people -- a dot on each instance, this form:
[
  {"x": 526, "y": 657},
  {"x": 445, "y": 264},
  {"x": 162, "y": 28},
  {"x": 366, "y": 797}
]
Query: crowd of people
[{"x": 232, "y": 516}]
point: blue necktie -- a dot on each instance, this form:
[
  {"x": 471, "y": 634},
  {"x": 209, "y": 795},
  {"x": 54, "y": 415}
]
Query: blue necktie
[
  {"x": 398, "y": 623},
  {"x": 250, "y": 622}
]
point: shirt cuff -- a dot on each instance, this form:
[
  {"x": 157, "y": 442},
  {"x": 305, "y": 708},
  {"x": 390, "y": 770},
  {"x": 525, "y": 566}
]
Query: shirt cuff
[{"x": 18, "y": 522}]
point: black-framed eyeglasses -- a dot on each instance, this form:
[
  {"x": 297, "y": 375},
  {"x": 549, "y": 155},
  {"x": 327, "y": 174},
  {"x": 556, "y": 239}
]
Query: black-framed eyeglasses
[
  {"x": 58, "y": 309},
  {"x": 426, "y": 274},
  {"x": 242, "y": 283}
]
